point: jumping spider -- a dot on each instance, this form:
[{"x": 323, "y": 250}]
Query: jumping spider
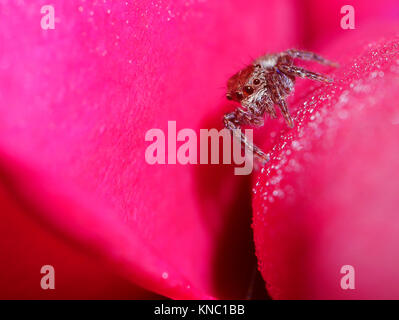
[{"x": 264, "y": 83}]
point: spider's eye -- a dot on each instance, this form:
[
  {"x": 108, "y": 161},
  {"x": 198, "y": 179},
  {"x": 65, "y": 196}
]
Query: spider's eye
[
  {"x": 249, "y": 89},
  {"x": 239, "y": 95},
  {"x": 229, "y": 97},
  {"x": 256, "y": 81}
]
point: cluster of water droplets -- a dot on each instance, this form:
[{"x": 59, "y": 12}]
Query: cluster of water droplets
[{"x": 317, "y": 121}]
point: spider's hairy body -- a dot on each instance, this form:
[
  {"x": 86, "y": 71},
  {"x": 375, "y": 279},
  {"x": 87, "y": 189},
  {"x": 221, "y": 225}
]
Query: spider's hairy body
[{"x": 263, "y": 84}]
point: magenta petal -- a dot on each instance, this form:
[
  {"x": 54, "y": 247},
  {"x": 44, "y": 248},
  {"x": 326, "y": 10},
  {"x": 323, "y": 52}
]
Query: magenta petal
[
  {"x": 28, "y": 244},
  {"x": 329, "y": 197},
  {"x": 89, "y": 221},
  {"x": 322, "y": 19},
  {"x": 76, "y": 103}
]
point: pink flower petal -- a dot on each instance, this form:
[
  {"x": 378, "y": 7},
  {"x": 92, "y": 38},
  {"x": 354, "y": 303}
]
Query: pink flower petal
[
  {"x": 329, "y": 197},
  {"x": 322, "y": 19},
  {"x": 27, "y": 246},
  {"x": 76, "y": 103}
]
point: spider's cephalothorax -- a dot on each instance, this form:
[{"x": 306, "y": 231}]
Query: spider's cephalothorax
[{"x": 265, "y": 83}]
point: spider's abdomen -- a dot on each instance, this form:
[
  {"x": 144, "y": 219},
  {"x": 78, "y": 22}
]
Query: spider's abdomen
[{"x": 268, "y": 61}]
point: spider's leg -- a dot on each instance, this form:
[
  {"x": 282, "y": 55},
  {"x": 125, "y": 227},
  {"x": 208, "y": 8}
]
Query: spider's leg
[
  {"x": 303, "y": 73},
  {"x": 271, "y": 111},
  {"x": 306, "y": 55},
  {"x": 280, "y": 101},
  {"x": 284, "y": 110},
  {"x": 232, "y": 121}
]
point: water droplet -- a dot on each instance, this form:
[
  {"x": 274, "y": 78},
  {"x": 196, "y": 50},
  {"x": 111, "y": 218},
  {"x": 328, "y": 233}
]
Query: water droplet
[
  {"x": 296, "y": 145},
  {"x": 343, "y": 114}
]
